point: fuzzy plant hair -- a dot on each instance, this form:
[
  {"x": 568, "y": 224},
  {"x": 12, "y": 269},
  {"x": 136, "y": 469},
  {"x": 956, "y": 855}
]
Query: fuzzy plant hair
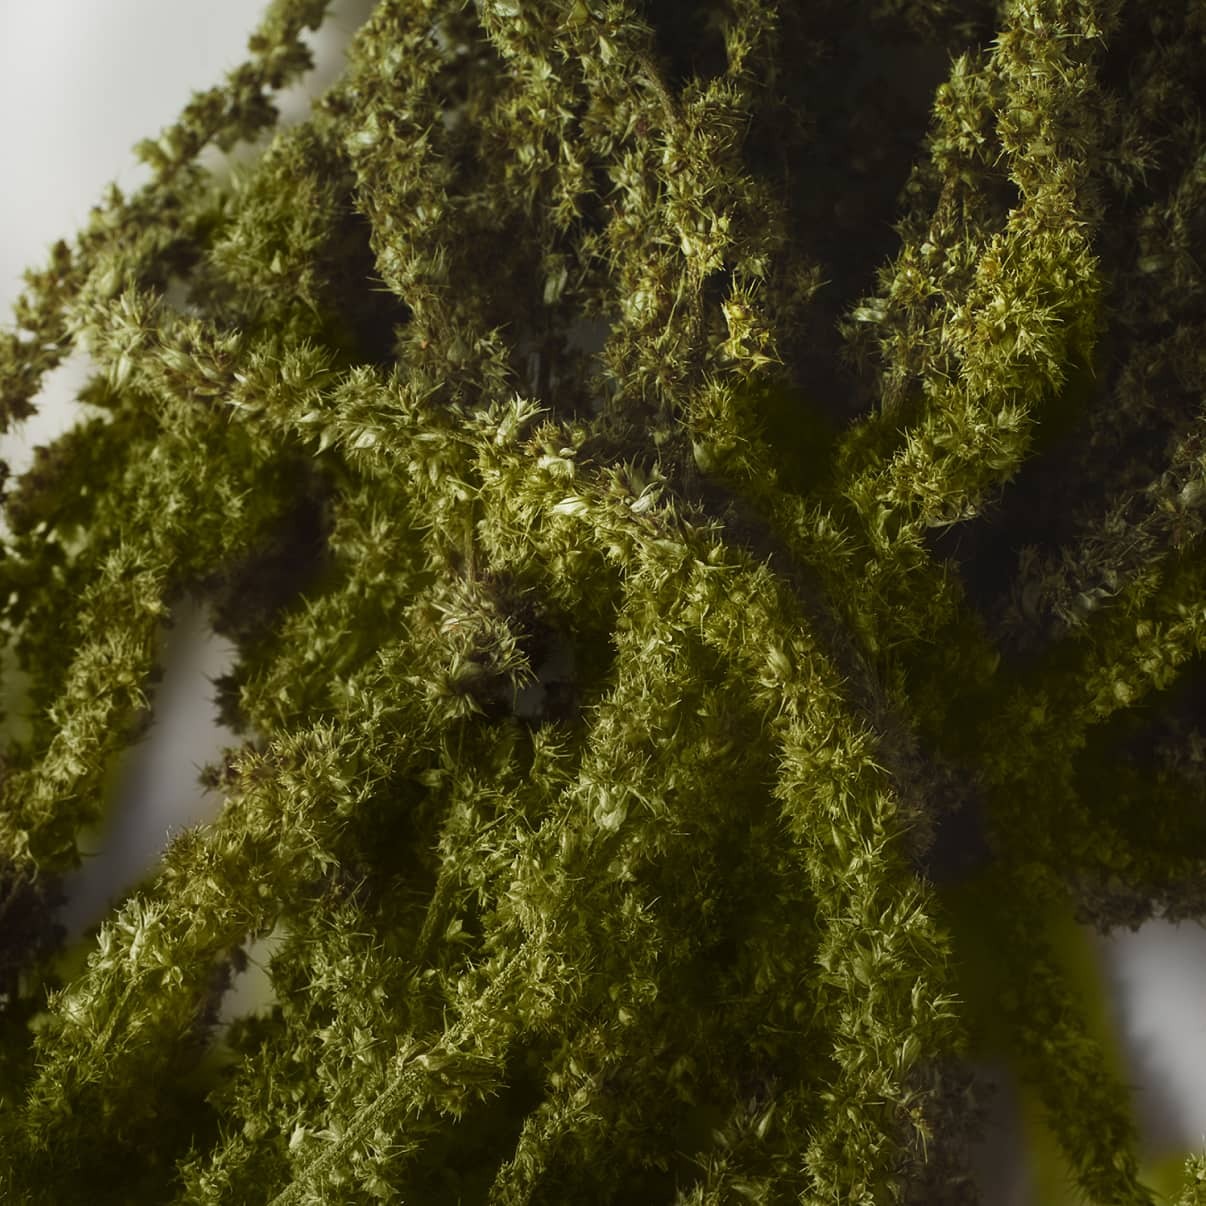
[{"x": 869, "y": 528}]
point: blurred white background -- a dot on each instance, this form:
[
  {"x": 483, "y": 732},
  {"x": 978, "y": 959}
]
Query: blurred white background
[{"x": 81, "y": 81}]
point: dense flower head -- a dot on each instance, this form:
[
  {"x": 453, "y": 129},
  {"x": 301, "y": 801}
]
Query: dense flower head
[{"x": 627, "y": 721}]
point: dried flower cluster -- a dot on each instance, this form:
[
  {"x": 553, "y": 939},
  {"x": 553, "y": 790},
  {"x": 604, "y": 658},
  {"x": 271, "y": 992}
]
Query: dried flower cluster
[{"x": 878, "y": 517}]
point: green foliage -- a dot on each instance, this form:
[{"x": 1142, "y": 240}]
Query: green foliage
[{"x": 691, "y": 923}]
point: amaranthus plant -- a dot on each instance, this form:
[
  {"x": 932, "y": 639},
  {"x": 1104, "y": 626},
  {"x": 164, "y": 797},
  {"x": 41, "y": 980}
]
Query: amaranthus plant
[{"x": 872, "y": 535}]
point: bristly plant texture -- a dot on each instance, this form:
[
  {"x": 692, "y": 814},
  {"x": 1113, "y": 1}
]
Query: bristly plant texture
[{"x": 873, "y": 536}]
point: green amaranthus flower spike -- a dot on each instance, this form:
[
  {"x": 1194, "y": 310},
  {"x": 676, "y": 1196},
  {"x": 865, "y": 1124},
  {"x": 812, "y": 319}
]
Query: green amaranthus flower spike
[{"x": 869, "y": 534}]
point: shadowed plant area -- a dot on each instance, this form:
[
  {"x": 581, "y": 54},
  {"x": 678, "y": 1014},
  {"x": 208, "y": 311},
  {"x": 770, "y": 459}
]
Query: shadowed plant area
[{"x": 634, "y": 724}]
